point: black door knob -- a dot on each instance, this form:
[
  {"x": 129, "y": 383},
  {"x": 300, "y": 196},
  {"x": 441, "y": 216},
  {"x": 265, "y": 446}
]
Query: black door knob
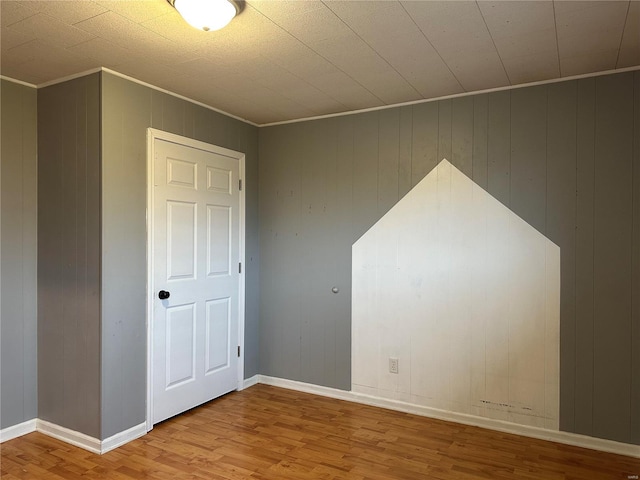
[{"x": 163, "y": 294}]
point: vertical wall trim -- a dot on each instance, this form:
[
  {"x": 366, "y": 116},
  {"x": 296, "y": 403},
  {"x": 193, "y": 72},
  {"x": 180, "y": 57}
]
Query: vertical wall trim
[
  {"x": 593, "y": 242},
  {"x": 635, "y": 282},
  {"x": 100, "y": 246}
]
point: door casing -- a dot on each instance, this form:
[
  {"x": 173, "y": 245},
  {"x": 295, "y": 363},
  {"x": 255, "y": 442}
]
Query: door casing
[{"x": 152, "y": 135}]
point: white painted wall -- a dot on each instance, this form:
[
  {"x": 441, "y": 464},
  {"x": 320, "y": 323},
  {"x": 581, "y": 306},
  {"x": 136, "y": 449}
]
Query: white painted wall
[{"x": 467, "y": 296}]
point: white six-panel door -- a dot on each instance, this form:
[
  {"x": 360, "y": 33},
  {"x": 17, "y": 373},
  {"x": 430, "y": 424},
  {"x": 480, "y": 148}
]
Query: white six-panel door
[{"x": 196, "y": 256}]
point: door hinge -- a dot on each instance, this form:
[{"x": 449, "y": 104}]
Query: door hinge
[
  {"x": 240, "y": 267},
  {"x": 240, "y": 184},
  {"x": 238, "y": 350}
]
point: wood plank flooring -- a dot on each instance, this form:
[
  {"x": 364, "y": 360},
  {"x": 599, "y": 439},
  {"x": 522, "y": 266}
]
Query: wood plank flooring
[{"x": 271, "y": 433}]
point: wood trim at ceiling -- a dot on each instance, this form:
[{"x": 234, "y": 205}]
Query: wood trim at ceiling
[
  {"x": 458, "y": 95},
  {"x": 320, "y": 117}
]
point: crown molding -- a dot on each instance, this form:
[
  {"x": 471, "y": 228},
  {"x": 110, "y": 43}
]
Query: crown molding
[{"x": 456, "y": 95}]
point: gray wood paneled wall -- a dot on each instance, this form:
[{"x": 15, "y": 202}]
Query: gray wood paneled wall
[
  {"x": 69, "y": 254},
  {"x": 92, "y": 245},
  {"x": 18, "y": 251},
  {"x": 128, "y": 109},
  {"x": 565, "y": 157}
]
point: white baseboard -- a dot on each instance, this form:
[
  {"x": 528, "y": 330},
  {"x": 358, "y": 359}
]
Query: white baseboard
[
  {"x": 18, "y": 430},
  {"x": 499, "y": 425},
  {"x": 69, "y": 436},
  {"x": 78, "y": 439},
  {"x": 96, "y": 446},
  {"x": 121, "y": 438},
  {"x": 250, "y": 382}
]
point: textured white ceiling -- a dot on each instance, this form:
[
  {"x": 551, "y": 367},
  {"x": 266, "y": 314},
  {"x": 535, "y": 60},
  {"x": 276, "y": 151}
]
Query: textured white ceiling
[{"x": 282, "y": 60}]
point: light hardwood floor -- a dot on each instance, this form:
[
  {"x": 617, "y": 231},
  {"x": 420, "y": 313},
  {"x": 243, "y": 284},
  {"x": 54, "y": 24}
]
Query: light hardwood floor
[{"x": 271, "y": 433}]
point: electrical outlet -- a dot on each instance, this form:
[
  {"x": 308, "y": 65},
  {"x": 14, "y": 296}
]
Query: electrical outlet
[{"x": 393, "y": 365}]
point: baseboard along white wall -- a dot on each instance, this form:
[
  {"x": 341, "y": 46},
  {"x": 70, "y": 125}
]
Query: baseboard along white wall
[{"x": 566, "y": 438}]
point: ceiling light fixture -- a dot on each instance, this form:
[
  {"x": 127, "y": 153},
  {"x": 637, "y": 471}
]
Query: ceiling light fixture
[{"x": 207, "y": 15}]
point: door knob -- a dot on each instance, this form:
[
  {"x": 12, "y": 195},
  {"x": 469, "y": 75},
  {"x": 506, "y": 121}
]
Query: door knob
[{"x": 163, "y": 294}]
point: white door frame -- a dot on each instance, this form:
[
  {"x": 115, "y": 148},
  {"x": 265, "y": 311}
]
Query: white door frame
[{"x": 152, "y": 135}]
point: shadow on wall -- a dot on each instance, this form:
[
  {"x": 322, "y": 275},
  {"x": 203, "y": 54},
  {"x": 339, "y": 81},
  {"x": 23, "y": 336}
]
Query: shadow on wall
[{"x": 466, "y": 295}]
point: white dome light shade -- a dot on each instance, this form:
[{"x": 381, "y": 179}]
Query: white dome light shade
[{"x": 207, "y": 15}]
